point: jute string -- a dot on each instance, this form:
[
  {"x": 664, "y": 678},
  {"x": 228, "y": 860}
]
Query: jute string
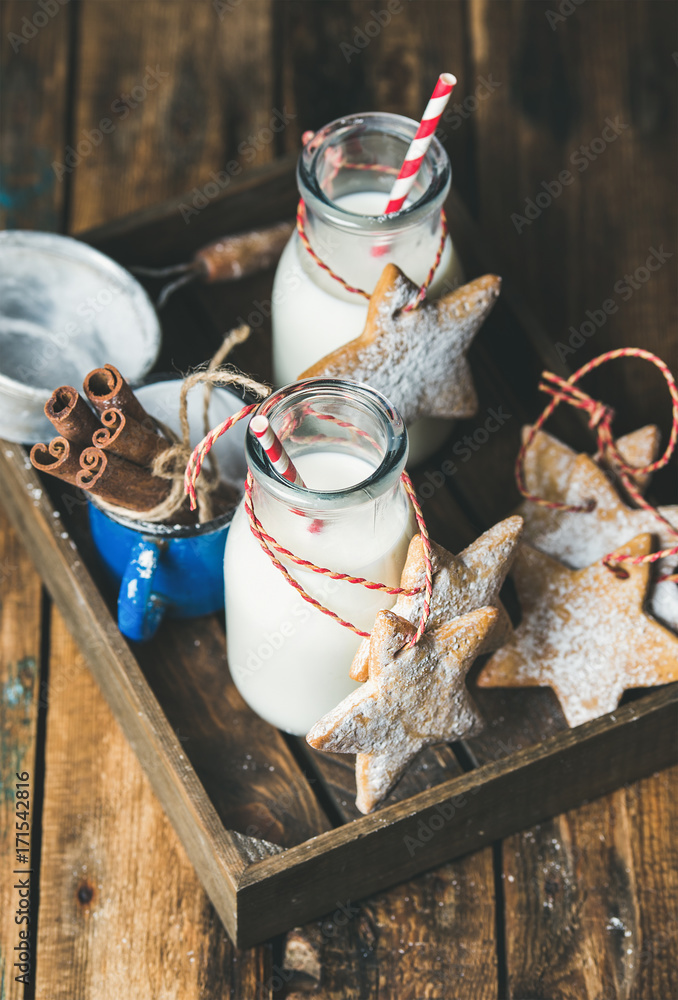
[{"x": 172, "y": 462}]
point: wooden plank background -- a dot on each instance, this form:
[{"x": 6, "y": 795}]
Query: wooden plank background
[{"x": 578, "y": 908}]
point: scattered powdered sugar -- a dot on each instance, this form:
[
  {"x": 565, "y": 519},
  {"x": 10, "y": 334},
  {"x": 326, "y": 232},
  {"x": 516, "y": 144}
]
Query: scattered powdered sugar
[
  {"x": 664, "y": 600},
  {"x": 461, "y": 584},
  {"x": 547, "y": 467},
  {"x": 549, "y": 462},
  {"x": 465, "y": 582}
]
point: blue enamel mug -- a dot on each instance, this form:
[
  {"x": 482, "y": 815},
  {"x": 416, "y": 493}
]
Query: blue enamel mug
[
  {"x": 178, "y": 572},
  {"x": 171, "y": 570}
]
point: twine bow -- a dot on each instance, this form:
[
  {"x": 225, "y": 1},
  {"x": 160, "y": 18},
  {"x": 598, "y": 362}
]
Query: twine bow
[
  {"x": 601, "y": 418},
  {"x": 171, "y": 463}
]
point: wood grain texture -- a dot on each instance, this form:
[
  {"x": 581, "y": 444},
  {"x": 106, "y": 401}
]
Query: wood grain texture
[
  {"x": 651, "y": 807},
  {"x": 584, "y": 915},
  {"x": 33, "y": 109},
  {"x": 243, "y": 762},
  {"x": 176, "y": 82},
  {"x": 433, "y": 937},
  {"x": 336, "y": 772},
  {"x": 20, "y": 636},
  {"x": 561, "y": 82},
  {"x": 217, "y": 855},
  {"x": 350, "y": 56},
  {"x": 556, "y": 89},
  {"x": 122, "y": 912},
  {"x": 485, "y": 804}
]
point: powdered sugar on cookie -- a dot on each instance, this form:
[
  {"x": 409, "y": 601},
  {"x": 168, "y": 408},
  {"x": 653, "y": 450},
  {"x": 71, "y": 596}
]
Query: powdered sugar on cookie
[
  {"x": 579, "y": 538},
  {"x": 417, "y": 358},
  {"x": 461, "y": 584},
  {"x": 414, "y": 697},
  {"x": 584, "y": 634}
]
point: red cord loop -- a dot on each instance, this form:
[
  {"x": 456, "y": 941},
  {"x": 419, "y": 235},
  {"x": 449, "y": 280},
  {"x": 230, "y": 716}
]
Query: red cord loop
[
  {"x": 601, "y": 418},
  {"x": 270, "y": 546},
  {"x": 421, "y": 294}
]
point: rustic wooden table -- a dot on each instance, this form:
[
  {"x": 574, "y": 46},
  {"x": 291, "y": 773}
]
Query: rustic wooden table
[{"x": 583, "y": 906}]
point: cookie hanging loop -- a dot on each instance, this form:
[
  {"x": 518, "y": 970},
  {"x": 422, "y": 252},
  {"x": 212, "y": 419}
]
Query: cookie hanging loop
[
  {"x": 270, "y": 546},
  {"x": 273, "y": 550},
  {"x": 421, "y": 294},
  {"x": 600, "y": 420}
]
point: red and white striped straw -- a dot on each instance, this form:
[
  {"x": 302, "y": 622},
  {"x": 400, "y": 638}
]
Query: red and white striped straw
[
  {"x": 421, "y": 142},
  {"x": 278, "y": 457}
]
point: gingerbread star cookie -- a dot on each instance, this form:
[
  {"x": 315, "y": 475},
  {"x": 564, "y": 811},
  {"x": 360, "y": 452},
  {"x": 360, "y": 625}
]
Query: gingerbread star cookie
[
  {"x": 584, "y": 633},
  {"x": 414, "y": 697},
  {"x": 548, "y": 462},
  {"x": 416, "y": 358},
  {"x": 461, "y": 583},
  {"x": 580, "y": 538}
]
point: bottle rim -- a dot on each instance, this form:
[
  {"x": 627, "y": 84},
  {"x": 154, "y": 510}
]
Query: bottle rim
[
  {"x": 395, "y": 126},
  {"x": 388, "y": 424}
]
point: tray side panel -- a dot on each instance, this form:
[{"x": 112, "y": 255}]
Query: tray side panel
[
  {"x": 212, "y": 850},
  {"x": 244, "y": 764},
  {"x": 458, "y": 816}
]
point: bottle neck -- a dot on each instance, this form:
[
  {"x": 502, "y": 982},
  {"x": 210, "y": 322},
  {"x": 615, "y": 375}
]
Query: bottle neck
[
  {"x": 353, "y": 532},
  {"x": 359, "y": 255},
  {"x": 345, "y": 175},
  {"x": 347, "y": 441}
]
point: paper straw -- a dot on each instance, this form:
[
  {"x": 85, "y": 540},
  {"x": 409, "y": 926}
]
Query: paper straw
[
  {"x": 421, "y": 142},
  {"x": 278, "y": 457}
]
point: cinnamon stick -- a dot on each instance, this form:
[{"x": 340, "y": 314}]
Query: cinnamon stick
[
  {"x": 120, "y": 482},
  {"x": 124, "y": 436},
  {"x": 71, "y": 416},
  {"x": 233, "y": 257},
  {"x": 105, "y": 388},
  {"x": 60, "y": 458}
]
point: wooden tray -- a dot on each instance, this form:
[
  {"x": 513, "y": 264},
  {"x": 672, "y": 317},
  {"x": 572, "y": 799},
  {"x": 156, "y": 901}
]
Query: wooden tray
[{"x": 269, "y": 824}]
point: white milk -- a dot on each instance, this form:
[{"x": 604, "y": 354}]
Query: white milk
[
  {"x": 313, "y": 314},
  {"x": 290, "y": 661}
]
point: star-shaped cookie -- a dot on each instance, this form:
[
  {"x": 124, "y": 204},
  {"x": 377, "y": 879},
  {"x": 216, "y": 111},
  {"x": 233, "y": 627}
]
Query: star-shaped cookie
[
  {"x": 579, "y": 538},
  {"x": 548, "y": 462},
  {"x": 417, "y": 359},
  {"x": 414, "y": 697},
  {"x": 461, "y": 583},
  {"x": 584, "y": 634}
]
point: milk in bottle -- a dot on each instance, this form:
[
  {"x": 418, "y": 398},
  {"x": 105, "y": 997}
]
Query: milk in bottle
[
  {"x": 289, "y": 660},
  {"x": 345, "y": 175}
]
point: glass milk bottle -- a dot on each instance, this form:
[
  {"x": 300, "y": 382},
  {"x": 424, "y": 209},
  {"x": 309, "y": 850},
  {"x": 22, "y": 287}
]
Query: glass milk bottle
[
  {"x": 289, "y": 660},
  {"x": 345, "y": 174}
]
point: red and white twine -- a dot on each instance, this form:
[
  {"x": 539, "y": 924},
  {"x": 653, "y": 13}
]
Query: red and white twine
[
  {"x": 423, "y": 288},
  {"x": 600, "y": 421},
  {"x": 403, "y": 185},
  {"x": 270, "y": 546}
]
